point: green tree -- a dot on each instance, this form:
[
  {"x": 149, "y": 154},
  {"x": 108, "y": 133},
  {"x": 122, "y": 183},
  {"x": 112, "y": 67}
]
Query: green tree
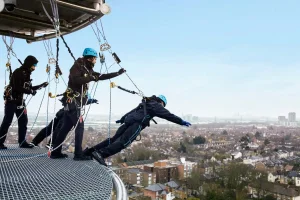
[
  {"x": 182, "y": 148},
  {"x": 199, "y": 140},
  {"x": 90, "y": 129},
  {"x": 193, "y": 198},
  {"x": 266, "y": 142},
  {"x": 258, "y": 135},
  {"x": 268, "y": 197},
  {"x": 224, "y": 132},
  {"x": 193, "y": 182}
]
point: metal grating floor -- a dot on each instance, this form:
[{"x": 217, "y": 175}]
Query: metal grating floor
[{"x": 26, "y": 174}]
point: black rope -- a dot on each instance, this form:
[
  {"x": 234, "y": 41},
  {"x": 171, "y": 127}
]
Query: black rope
[
  {"x": 68, "y": 47},
  {"x": 20, "y": 61},
  {"x": 10, "y": 71},
  {"x": 132, "y": 92},
  {"x": 57, "y": 69}
]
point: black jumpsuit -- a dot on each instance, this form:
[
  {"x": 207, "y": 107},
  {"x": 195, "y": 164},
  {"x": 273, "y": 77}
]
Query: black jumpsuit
[
  {"x": 20, "y": 84},
  {"x": 80, "y": 75},
  {"x": 134, "y": 122}
]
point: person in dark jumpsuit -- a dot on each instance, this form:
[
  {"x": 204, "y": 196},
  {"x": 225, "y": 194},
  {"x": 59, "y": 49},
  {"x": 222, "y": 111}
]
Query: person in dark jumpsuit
[
  {"x": 133, "y": 123},
  {"x": 80, "y": 75},
  {"x": 20, "y": 84},
  {"x": 57, "y": 123}
]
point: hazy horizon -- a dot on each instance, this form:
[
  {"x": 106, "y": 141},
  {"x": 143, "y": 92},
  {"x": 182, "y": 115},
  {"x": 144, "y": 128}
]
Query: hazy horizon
[{"x": 213, "y": 60}]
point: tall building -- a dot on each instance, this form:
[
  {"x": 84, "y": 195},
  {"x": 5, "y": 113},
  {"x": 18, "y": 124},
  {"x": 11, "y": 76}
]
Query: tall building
[
  {"x": 281, "y": 119},
  {"x": 292, "y": 117}
]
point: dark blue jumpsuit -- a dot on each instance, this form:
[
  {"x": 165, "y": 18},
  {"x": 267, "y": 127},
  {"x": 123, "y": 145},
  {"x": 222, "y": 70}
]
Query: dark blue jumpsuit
[{"x": 134, "y": 122}]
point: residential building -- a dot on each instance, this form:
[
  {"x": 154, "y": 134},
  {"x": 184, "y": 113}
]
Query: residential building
[{"x": 165, "y": 171}]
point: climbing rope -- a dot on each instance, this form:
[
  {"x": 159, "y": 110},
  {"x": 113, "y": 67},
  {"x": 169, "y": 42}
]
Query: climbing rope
[
  {"x": 19, "y": 107},
  {"x": 48, "y": 48},
  {"x": 69, "y": 50},
  {"x": 114, "y": 55},
  {"x": 10, "y": 49}
]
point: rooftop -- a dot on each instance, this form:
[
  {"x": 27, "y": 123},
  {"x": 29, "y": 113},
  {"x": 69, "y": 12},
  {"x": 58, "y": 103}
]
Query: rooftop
[{"x": 30, "y": 174}]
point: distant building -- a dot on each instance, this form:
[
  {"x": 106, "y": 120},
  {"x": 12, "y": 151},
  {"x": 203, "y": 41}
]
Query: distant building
[
  {"x": 292, "y": 117},
  {"x": 140, "y": 177},
  {"x": 281, "y": 119},
  {"x": 164, "y": 171},
  {"x": 236, "y": 155},
  {"x": 291, "y": 121}
]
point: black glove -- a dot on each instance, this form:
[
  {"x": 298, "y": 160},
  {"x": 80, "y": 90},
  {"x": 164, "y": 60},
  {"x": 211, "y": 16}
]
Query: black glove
[
  {"x": 120, "y": 121},
  {"x": 44, "y": 84},
  {"x": 95, "y": 76},
  {"x": 185, "y": 123},
  {"x": 92, "y": 101},
  {"x": 33, "y": 92},
  {"x": 121, "y": 71}
]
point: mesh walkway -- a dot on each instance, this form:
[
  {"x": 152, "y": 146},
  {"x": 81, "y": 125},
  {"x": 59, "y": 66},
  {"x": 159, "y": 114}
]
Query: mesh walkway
[{"x": 40, "y": 177}]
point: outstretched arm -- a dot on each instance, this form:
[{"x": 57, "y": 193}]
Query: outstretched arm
[
  {"x": 110, "y": 75},
  {"x": 160, "y": 111},
  {"x": 37, "y": 87}
]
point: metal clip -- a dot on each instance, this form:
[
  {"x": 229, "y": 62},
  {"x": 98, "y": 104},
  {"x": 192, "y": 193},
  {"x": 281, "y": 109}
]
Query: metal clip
[
  {"x": 112, "y": 85},
  {"x": 48, "y": 68}
]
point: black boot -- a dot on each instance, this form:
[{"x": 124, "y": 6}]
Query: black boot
[
  {"x": 98, "y": 157},
  {"x": 82, "y": 157},
  {"x": 2, "y": 146},
  {"x": 88, "y": 151},
  {"x": 26, "y": 145},
  {"x": 58, "y": 155}
]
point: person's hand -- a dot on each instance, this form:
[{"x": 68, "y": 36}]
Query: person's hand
[
  {"x": 33, "y": 92},
  {"x": 185, "y": 123},
  {"x": 121, "y": 71},
  {"x": 44, "y": 84},
  {"x": 94, "y": 101},
  {"x": 119, "y": 121}
]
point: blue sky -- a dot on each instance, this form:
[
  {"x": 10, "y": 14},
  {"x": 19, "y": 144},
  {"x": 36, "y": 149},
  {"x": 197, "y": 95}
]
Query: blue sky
[{"x": 210, "y": 58}]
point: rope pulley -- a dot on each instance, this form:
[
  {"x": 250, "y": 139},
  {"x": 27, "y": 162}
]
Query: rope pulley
[
  {"x": 104, "y": 47},
  {"x": 51, "y": 61}
]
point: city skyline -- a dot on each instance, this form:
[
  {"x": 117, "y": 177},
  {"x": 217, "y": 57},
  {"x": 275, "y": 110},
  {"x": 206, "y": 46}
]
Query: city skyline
[{"x": 219, "y": 67}]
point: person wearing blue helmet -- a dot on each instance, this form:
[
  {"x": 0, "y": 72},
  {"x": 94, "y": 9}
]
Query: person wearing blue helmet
[
  {"x": 76, "y": 96},
  {"x": 132, "y": 124}
]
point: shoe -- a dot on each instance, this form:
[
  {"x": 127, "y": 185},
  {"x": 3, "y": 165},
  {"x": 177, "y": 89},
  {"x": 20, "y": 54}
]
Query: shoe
[
  {"x": 49, "y": 146},
  {"x": 34, "y": 144},
  {"x": 2, "y": 146},
  {"x": 98, "y": 157},
  {"x": 58, "y": 155},
  {"x": 82, "y": 157},
  {"x": 26, "y": 145},
  {"x": 88, "y": 151}
]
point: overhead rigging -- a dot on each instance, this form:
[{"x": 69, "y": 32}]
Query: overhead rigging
[
  {"x": 57, "y": 27},
  {"x": 27, "y": 19}
]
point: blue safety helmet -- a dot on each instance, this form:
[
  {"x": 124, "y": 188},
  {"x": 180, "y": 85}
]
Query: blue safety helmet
[
  {"x": 90, "y": 52},
  {"x": 163, "y": 98}
]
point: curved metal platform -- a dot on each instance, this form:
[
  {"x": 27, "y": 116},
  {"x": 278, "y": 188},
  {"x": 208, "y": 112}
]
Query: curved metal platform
[
  {"x": 29, "y": 21},
  {"x": 30, "y": 174}
]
